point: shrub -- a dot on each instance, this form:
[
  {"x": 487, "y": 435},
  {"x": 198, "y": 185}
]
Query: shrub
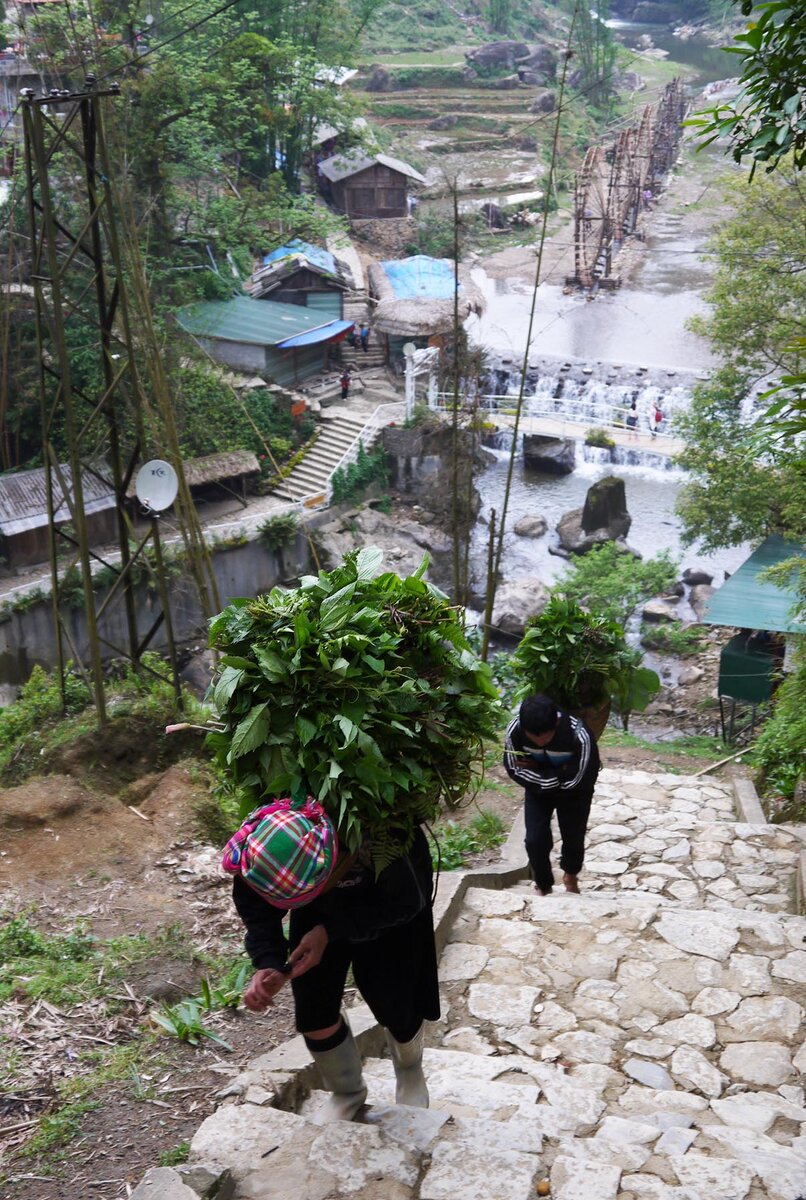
[
  {"x": 599, "y": 437},
  {"x": 350, "y": 482},
  {"x": 612, "y": 584},
  {"x": 277, "y": 532},
  {"x": 779, "y": 750},
  {"x": 674, "y": 638}
]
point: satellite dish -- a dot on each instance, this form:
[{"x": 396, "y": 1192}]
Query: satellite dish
[
  {"x": 149, "y": 19},
  {"x": 156, "y": 485},
  {"x": 409, "y": 349}
]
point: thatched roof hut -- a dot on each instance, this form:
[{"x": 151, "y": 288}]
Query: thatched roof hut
[{"x": 415, "y": 296}]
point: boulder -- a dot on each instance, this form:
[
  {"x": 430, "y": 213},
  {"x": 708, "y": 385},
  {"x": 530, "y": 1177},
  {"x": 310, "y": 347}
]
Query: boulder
[
  {"x": 540, "y": 58},
  {"x": 531, "y": 527},
  {"x": 658, "y": 610},
  {"x": 551, "y": 455},
  {"x": 675, "y": 589},
  {"x": 197, "y": 673},
  {"x": 573, "y": 538},
  {"x": 695, "y": 575},
  {"x": 493, "y": 217},
  {"x": 689, "y": 675},
  {"x": 497, "y": 56},
  {"x": 606, "y": 508},
  {"x": 545, "y": 102},
  {"x": 629, "y": 81},
  {"x": 516, "y": 602},
  {"x": 527, "y": 75},
  {"x": 380, "y": 80},
  {"x": 699, "y": 596}
]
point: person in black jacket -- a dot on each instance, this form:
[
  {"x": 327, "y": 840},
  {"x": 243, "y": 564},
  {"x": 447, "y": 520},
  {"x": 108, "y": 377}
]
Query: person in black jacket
[
  {"x": 380, "y": 926},
  {"x": 554, "y": 757}
]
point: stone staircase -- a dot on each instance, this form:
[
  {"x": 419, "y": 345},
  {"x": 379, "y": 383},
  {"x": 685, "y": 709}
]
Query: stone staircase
[
  {"x": 357, "y": 309},
  {"x": 640, "y": 1040}
]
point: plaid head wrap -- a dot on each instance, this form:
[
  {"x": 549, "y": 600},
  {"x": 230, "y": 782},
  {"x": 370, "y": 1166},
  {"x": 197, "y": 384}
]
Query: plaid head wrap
[{"x": 285, "y": 853}]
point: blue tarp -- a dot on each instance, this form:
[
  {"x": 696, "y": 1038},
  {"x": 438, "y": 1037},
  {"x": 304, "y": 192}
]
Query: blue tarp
[
  {"x": 324, "y": 333},
  {"x": 315, "y": 255},
  {"x": 420, "y": 277}
]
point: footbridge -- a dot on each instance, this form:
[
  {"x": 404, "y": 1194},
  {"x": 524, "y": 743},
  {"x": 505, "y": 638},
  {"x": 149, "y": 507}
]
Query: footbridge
[{"x": 562, "y": 417}]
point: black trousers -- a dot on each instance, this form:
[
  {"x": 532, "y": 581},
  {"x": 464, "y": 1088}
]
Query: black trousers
[
  {"x": 573, "y": 809},
  {"x": 396, "y": 974}
]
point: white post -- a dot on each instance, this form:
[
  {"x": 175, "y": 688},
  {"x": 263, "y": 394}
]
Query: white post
[{"x": 408, "y": 352}]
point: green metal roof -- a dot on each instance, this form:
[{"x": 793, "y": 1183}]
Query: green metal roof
[
  {"x": 260, "y": 322},
  {"x": 751, "y": 603}
]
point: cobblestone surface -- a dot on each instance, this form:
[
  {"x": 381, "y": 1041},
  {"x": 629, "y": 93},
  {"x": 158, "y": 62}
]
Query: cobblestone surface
[{"x": 642, "y": 1039}]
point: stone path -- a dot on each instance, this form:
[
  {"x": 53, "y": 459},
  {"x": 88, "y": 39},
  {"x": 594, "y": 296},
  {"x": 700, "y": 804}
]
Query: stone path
[{"x": 641, "y": 1040}]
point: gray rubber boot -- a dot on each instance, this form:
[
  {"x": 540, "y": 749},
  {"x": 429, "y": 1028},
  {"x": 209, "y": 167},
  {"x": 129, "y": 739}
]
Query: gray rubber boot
[
  {"x": 407, "y": 1058},
  {"x": 343, "y": 1078}
]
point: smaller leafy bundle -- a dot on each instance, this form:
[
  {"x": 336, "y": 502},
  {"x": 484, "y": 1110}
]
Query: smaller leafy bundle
[
  {"x": 359, "y": 690},
  {"x": 581, "y": 660}
]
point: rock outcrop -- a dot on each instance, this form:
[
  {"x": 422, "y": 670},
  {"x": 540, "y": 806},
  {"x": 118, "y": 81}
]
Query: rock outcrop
[
  {"x": 551, "y": 455},
  {"x": 516, "y": 601},
  {"x": 497, "y": 56},
  {"x": 531, "y": 527},
  {"x": 603, "y": 518}
]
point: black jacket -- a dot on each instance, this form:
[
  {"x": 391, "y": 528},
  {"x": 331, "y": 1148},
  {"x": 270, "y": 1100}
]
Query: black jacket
[
  {"x": 576, "y": 774},
  {"x": 357, "y": 909}
]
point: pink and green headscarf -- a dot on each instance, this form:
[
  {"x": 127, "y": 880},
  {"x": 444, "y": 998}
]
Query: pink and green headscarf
[{"x": 284, "y": 851}]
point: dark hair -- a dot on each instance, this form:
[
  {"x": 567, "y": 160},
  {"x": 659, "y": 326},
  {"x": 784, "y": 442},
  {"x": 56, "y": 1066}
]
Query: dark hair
[{"x": 537, "y": 714}]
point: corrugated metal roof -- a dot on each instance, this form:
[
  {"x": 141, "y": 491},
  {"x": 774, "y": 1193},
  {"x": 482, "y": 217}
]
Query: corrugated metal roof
[
  {"x": 23, "y": 498},
  {"x": 332, "y": 330},
  {"x": 257, "y": 322},
  {"x": 342, "y": 166},
  {"x": 751, "y": 603}
]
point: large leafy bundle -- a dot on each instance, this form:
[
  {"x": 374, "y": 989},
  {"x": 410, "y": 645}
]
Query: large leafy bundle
[{"x": 360, "y": 690}]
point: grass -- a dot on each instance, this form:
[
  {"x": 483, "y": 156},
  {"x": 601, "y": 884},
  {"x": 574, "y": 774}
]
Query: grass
[
  {"x": 690, "y": 746},
  {"x": 175, "y": 1156},
  {"x": 674, "y": 638},
  {"x": 457, "y": 843}
]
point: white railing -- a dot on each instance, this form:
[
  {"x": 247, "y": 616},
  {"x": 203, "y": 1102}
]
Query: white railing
[
  {"x": 570, "y": 412},
  {"x": 384, "y": 414}
]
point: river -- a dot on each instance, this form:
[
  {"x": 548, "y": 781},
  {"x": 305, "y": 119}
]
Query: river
[{"x": 644, "y": 323}]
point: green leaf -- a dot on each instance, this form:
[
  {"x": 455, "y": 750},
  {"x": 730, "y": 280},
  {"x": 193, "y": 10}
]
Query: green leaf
[
  {"x": 374, "y": 663},
  {"x": 367, "y": 563},
  {"x": 251, "y": 732},
  {"x": 271, "y": 664},
  {"x": 335, "y": 769},
  {"x": 226, "y": 684},
  {"x": 306, "y": 730}
]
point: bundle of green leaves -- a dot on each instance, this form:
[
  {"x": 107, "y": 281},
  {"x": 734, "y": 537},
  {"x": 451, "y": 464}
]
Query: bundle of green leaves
[{"x": 359, "y": 689}]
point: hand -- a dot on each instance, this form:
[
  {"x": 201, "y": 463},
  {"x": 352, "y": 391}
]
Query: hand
[
  {"x": 308, "y": 953},
  {"x": 262, "y": 989}
]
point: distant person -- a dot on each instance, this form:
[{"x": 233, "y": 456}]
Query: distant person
[
  {"x": 647, "y": 195},
  {"x": 631, "y": 421},
  {"x": 656, "y": 419},
  {"x": 352, "y": 337},
  {"x": 555, "y": 759},
  {"x": 345, "y": 381},
  {"x": 364, "y": 336}
]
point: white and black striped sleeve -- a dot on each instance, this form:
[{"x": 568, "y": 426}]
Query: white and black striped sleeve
[
  {"x": 583, "y": 737},
  {"x": 525, "y": 776}
]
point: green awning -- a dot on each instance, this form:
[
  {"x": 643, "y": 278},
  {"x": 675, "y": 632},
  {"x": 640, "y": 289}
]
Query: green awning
[
  {"x": 748, "y": 602},
  {"x": 258, "y": 322}
]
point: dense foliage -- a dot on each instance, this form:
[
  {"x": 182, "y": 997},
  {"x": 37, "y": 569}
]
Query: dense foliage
[
  {"x": 757, "y": 327},
  {"x": 359, "y": 689},
  {"x": 612, "y": 584},
  {"x": 768, "y": 119}
]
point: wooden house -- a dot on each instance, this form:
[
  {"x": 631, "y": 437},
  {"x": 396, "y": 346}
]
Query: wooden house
[
  {"x": 367, "y": 186},
  {"x": 305, "y": 275},
  {"x": 24, "y": 529}
]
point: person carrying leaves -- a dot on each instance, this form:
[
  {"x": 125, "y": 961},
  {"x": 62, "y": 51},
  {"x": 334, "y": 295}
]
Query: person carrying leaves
[{"x": 286, "y": 858}]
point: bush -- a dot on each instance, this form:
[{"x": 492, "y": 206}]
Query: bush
[
  {"x": 350, "y": 482},
  {"x": 779, "y": 750},
  {"x": 599, "y": 437},
  {"x": 279, "y": 531},
  {"x": 39, "y": 702},
  {"x": 612, "y": 584},
  {"x": 675, "y": 638}
]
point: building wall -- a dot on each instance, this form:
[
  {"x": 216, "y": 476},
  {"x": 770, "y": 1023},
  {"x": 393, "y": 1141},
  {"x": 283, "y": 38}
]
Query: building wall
[
  {"x": 244, "y": 356},
  {"x": 33, "y": 546},
  {"x": 376, "y": 192}
]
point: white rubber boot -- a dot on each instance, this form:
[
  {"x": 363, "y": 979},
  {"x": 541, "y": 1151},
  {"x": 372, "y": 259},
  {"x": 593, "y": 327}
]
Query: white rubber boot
[
  {"x": 342, "y": 1076},
  {"x": 407, "y": 1058}
]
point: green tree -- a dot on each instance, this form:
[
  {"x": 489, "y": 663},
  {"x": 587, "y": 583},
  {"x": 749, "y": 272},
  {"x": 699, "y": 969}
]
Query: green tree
[
  {"x": 595, "y": 50},
  {"x": 611, "y": 583},
  {"x": 768, "y": 119},
  {"x": 745, "y": 484},
  {"x": 499, "y": 14}
]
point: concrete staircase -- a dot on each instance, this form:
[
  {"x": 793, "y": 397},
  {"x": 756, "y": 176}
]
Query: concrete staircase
[
  {"x": 642, "y": 1039},
  {"x": 338, "y": 433}
]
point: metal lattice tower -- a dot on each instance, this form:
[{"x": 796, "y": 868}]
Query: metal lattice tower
[{"x": 92, "y": 397}]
